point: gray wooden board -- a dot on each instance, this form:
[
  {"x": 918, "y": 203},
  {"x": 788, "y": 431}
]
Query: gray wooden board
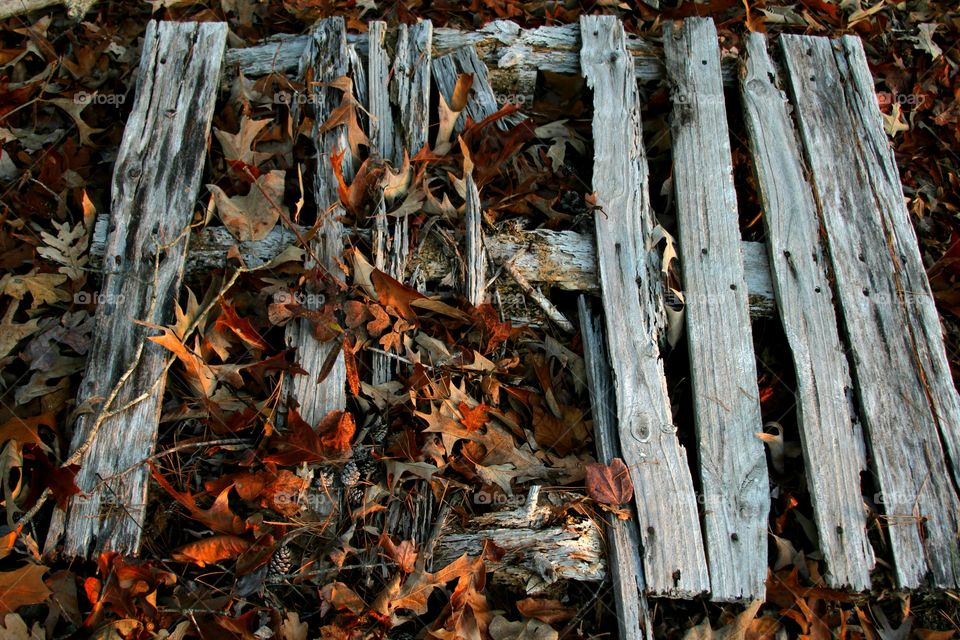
[
  {"x": 156, "y": 181},
  {"x": 723, "y": 371},
  {"x": 629, "y": 275},
  {"x": 831, "y": 438},
  {"x": 410, "y": 85},
  {"x": 623, "y": 536},
  {"x": 327, "y": 58},
  {"x": 475, "y": 277},
  {"x": 908, "y": 403}
]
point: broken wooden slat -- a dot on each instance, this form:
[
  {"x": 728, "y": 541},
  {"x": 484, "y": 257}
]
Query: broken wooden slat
[
  {"x": 325, "y": 60},
  {"x": 481, "y": 101},
  {"x": 629, "y": 274},
  {"x": 562, "y": 259},
  {"x": 907, "y": 399},
  {"x": 623, "y": 536},
  {"x": 410, "y": 85},
  {"x": 723, "y": 371},
  {"x": 832, "y": 441},
  {"x": 155, "y": 184},
  {"x": 537, "y": 550}
]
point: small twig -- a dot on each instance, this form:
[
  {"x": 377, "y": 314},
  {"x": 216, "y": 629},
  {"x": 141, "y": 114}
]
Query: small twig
[{"x": 548, "y": 307}]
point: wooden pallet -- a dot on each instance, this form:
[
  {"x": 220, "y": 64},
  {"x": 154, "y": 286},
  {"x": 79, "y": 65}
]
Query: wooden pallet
[{"x": 840, "y": 267}]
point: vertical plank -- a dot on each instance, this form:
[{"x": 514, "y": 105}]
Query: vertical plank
[
  {"x": 383, "y": 135},
  {"x": 326, "y": 59},
  {"x": 628, "y": 267},
  {"x": 476, "y": 271},
  {"x": 723, "y": 372},
  {"x": 623, "y": 536},
  {"x": 909, "y": 405},
  {"x": 155, "y": 185},
  {"x": 410, "y": 85},
  {"x": 831, "y": 439}
]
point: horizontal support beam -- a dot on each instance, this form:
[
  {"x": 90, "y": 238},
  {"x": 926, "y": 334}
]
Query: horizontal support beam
[
  {"x": 510, "y": 52},
  {"x": 562, "y": 259}
]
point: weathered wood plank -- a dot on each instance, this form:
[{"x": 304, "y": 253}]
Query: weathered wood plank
[
  {"x": 514, "y": 55},
  {"x": 723, "y": 371},
  {"x": 325, "y": 60},
  {"x": 629, "y": 275},
  {"x": 384, "y": 137},
  {"x": 156, "y": 180},
  {"x": 623, "y": 536},
  {"x": 562, "y": 259},
  {"x": 908, "y": 403},
  {"x": 475, "y": 279},
  {"x": 832, "y": 440}
]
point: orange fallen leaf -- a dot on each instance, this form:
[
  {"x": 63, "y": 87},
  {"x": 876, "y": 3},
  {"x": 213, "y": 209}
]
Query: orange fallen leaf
[
  {"x": 545, "y": 610},
  {"x": 21, "y": 587},
  {"x": 609, "y": 484},
  {"x": 210, "y": 550}
]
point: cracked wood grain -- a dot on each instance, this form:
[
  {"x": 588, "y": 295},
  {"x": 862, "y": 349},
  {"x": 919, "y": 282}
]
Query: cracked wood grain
[
  {"x": 156, "y": 181},
  {"x": 830, "y": 435},
  {"x": 326, "y": 59}
]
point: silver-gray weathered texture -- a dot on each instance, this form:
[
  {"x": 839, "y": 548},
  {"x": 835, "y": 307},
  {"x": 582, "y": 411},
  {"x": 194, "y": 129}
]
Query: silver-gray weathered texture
[
  {"x": 156, "y": 181},
  {"x": 723, "y": 372},
  {"x": 629, "y": 274},
  {"x": 832, "y": 440},
  {"x": 908, "y": 402}
]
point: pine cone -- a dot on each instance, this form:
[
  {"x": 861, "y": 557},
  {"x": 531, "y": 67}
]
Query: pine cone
[
  {"x": 281, "y": 562},
  {"x": 378, "y": 433},
  {"x": 355, "y": 496},
  {"x": 324, "y": 478},
  {"x": 367, "y": 466},
  {"x": 350, "y": 474}
]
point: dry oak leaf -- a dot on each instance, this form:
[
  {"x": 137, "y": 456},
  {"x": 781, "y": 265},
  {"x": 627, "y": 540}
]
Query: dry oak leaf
[
  {"x": 738, "y": 629},
  {"x": 210, "y": 550},
  {"x": 346, "y": 115},
  {"x": 218, "y": 517},
  {"x": 238, "y": 147},
  {"x": 609, "y": 484},
  {"x": 404, "y": 554},
  {"x": 14, "y": 628},
  {"x": 21, "y": 587},
  {"x": 253, "y": 216},
  {"x": 545, "y": 610},
  {"x": 502, "y": 629}
]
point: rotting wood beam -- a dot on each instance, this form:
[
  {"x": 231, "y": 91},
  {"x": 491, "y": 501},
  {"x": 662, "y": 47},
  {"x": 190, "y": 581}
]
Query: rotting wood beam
[
  {"x": 907, "y": 399},
  {"x": 831, "y": 438},
  {"x": 326, "y": 59},
  {"x": 562, "y": 259}
]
